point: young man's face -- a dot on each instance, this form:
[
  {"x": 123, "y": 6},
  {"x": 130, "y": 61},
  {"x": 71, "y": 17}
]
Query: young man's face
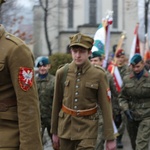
[
  {"x": 80, "y": 55},
  {"x": 121, "y": 60},
  {"x": 43, "y": 69},
  {"x": 138, "y": 67},
  {"x": 96, "y": 61}
]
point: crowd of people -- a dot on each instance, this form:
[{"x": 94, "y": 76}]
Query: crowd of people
[{"x": 80, "y": 106}]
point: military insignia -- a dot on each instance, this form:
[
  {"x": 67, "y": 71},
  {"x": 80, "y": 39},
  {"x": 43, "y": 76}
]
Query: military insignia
[
  {"x": 109, "y": 94},
  {"x": 25, "y": 78},
  {"x": 78, "y": 38}
]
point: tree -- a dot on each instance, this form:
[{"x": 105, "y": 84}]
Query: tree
[
  {"x": 12, "y": 19},
  {"x": 45, "y": 9}
]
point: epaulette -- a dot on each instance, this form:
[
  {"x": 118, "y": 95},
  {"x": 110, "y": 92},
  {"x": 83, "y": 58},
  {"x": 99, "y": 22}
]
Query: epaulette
[
  {"x": 99, "y": 67},
  {"x": 60, "y": 66},
  {"x": 13, "y": 38}
]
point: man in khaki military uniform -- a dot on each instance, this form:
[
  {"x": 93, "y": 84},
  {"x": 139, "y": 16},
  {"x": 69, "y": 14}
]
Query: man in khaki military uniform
[
  {"x": 74, "y": 113},
  {"x": 19, "y": 104},
  {"x": 135, "y": 102}
]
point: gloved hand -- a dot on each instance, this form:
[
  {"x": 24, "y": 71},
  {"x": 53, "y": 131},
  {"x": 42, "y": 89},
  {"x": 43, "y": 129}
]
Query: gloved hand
[{"x": 129, "y": 115}]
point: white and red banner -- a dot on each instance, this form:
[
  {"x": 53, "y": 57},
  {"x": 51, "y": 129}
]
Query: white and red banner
[{"x": 135, "y": 47}]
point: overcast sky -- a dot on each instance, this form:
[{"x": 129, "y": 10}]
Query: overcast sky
[{"x": 26, "y": 3}]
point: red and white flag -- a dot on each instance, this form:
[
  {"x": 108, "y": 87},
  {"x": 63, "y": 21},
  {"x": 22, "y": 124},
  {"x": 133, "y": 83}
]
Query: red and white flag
[
  {"x": 117, "y": 77},
  {"x": 135, "y": 47}
]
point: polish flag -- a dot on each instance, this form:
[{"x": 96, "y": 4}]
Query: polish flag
[
  {"x": 117, "y": 77},
  {"x": 135, "y": 48}
]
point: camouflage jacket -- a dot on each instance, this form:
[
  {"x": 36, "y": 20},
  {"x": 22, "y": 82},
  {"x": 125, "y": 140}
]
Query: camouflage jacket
[
  {"x": 135, "y": 95},
  {"x": 46, "y": 90}
]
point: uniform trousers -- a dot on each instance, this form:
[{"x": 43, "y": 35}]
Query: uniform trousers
[
  {"x": 139, "y": 133},
  {"x": 100, "y": 138},
  {"x": 84, "y": 144}
]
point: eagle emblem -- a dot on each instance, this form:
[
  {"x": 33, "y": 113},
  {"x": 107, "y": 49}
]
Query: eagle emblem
[{"x": 25, "y": 78}]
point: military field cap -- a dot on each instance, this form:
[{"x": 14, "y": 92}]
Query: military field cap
[
  {"x": 120, "y": 52},
  {"x": 2, "y": 1},
  {"x": 96, "y": 54},
  {"x": 81, "y": 40},
  {"x": 136, "y": 59},
  {"x": 43, "y": 61}
]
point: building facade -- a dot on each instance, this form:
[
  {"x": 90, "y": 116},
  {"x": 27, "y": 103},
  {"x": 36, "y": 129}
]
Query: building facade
[{"x": 67, "y": 17}]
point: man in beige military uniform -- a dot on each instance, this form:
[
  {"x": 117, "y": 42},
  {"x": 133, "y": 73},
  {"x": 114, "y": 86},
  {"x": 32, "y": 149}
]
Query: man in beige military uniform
[
  {"x": 19, "y": 104},
  {"x": 74, "y": 113}
]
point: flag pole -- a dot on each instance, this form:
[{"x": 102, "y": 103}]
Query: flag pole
[
  {"x": 146, "y": 46},
  {"x": 117, "y": 48}
]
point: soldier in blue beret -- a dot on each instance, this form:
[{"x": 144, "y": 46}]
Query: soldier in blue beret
[
  {"x": 134, "y": 99},
  {"x": 43, "y": 62},
  {"x": 45, "y": 86}
]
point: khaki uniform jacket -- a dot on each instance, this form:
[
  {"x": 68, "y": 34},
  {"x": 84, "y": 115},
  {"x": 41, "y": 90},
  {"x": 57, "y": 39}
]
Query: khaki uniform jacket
[
  {"x": 135, "y": 95},
  {"x": 20, "y": 124},
  {"x": 82, "y": 90}
]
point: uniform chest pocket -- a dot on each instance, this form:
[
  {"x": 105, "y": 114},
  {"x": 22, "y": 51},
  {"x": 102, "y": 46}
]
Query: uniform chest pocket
[
  {"x": 91, "y": 90},
  {"x": 130, "y": 88},
  {"x": 145, "y": 90},
  {"x": 66, "y": 87}
]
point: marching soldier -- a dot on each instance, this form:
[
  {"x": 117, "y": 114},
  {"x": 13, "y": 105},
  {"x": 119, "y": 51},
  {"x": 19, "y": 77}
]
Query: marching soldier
[
  {"x": 74, "y": 113},
  {"x": 45, "y": 86},
  {"x": 135, "y": 102},
  {"x": 19, "y": 104},
  {"x": 119, "y": 116},
  {"x": 97, "y": 59}
]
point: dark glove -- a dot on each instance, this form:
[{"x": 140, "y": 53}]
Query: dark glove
[{"x": 129, "y": 115}]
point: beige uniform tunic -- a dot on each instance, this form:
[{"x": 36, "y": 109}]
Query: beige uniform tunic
[
  {"x": 19, "y": 123},
  {"x": 82, "y": 90}
]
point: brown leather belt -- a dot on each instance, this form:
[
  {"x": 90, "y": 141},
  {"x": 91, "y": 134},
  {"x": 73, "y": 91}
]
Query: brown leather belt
[
  {"x": 5, "y": 104},
  {"x": 85, "y": 112}
]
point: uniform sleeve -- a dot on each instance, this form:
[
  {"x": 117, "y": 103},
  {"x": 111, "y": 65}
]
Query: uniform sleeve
[
  {"x": 57, "y": 102},
  {"x": 105, "y": 105},
  {"x": 123, "y": 102},
  {"x": 27, "y": 98}
]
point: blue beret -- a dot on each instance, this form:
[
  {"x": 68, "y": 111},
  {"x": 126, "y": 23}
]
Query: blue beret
[
  {"x": 43, "y": 61},
  {"x": 135, "y": 59}
]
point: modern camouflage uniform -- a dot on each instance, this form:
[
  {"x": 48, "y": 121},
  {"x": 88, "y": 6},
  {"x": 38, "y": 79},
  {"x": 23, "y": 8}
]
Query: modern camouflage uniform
[
  {"x": 119, "y": 116},
  {"x": 19, "y": 104},
  {"x": 114, "y": 94},
  {"x": 135, "y": 96},
  {"x": 46, "y": 91}
]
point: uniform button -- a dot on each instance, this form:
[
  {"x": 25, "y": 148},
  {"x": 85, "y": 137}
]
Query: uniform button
[
  {"x": 76, "y": 93},
  {"x": 77, "y": 86},
  {"x": 75, "y": 107},
  {"x": 76, "y": 100},
  {"x": 79, "y": 74},
  {"x": 78, "y": 80},
  {"x": 92, "y": 85}
]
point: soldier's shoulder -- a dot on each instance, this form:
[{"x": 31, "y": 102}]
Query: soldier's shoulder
[
  {"x": 13, "y": 39},
  {"x": 99, "y": 68},
  {"x": 62, "y": 68}
]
